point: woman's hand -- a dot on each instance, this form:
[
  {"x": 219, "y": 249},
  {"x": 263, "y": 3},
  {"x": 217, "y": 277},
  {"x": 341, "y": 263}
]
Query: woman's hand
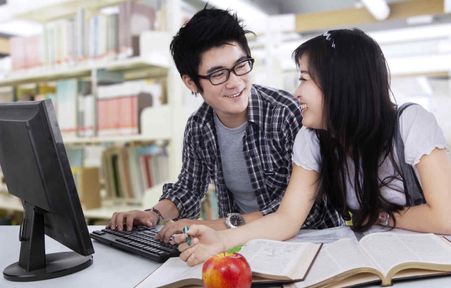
[
  {"x": 205, "y": 242},
  {"x": 172, "y": 228}
]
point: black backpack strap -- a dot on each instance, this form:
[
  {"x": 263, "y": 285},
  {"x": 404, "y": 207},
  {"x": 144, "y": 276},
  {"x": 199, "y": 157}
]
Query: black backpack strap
[{"x": 412, "y": 187}]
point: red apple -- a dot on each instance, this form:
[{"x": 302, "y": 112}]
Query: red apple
[{"x": 227, "y": 270}]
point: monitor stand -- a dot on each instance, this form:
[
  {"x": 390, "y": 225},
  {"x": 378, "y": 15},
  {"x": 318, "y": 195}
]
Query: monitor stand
[{"x": 33, "y": 263}]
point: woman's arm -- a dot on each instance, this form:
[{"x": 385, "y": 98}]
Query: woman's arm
[
  {"x": 435, "y": 175},
  {"x": 280, "y": 225}
]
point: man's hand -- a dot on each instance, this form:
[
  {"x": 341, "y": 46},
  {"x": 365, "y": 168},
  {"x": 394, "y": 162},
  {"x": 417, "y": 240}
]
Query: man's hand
[
  {"x": 126, "y": 220},
  {"x": 172, "y": 228},
  {"x": 205, "y": 243}
]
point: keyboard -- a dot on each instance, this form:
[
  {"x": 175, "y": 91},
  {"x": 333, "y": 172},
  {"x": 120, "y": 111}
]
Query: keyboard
[{"x": 140, "y": 241}]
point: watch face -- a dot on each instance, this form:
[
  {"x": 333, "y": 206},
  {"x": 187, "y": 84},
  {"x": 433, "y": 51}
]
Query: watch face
[{"x": 236, "y": 219}]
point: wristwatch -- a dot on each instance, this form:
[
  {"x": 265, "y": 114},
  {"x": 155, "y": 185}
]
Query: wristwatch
[{"x": 234, "y": 220}]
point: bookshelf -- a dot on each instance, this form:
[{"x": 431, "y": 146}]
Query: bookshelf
[
  {"x": 154, "y": 66},
  {"x": 115, "y": 139},
  {"x": 162, "y": 124},
  {"x": 62, "y": 9}
]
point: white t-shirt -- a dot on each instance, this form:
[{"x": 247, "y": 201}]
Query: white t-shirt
[{"x": 420, "y": 133}]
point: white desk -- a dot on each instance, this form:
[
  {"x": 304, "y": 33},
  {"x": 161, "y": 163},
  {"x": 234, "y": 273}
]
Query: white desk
[{"x": 113, "y": 268}]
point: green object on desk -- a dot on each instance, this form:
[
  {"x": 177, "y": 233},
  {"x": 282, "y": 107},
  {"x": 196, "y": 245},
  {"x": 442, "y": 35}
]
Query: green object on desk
[{"x": 235, "y": 249}]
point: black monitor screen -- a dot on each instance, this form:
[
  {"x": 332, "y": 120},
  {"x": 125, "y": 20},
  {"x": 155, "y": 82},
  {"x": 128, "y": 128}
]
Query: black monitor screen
[{"x": 36, "y": 169}]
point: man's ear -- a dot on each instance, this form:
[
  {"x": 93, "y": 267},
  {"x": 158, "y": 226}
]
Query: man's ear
[{"x": 189, "y": 83}]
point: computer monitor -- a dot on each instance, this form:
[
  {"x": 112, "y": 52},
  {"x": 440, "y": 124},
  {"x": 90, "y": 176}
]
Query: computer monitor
[{"x": 36, "y": 169}]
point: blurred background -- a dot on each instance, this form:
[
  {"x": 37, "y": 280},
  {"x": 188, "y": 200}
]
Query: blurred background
[{"x": 97, "y": 59}]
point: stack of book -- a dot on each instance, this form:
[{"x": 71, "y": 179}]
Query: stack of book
[
  {"x": 377, "y": 258},
  {"x": 86, "y": 36},
  {"x": 129, "y": 171},
  {"x": 119, "y": 106}
]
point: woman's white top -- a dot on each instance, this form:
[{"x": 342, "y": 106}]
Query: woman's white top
[{"x": 420, "y": 133}]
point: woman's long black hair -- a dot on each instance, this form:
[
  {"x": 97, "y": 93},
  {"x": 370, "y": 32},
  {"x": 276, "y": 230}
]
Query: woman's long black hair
[{"x": 360, "y": 118}]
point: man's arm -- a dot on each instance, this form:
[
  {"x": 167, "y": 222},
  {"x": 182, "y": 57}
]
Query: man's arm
[
  {"x": 179, "y": 199},
  {"x": 288, "y": 124},
  {"x": 218, "y": 224},
  {"x": 192, "y": 183},
  {"x": 126, "y": 220}
]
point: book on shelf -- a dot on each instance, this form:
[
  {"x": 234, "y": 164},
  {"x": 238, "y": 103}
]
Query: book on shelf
[
  {"x": 380, "y": 257},
  {"x": 107, "y": 172},
  {"x": 126, "y": 99},
  {"x": 136, "y": 179},
  {"x": 26, "y": 91},
  {"x": 46, "y": 90},
  {"x": 129, "y": 171},
  {"x": 85, "y": 109},
  {"x": 26, "y": 52},
  {"x": 89, "y": 187},
  {"x": 87, "y": 34},
  {"x": 66, "y": 107},
  {"x": 86, "y": 115},
  {"x": 133, "y": 19},
  {"x": 270, "y": 261},
  {"x": 86, "y": 178},
  {"x": 6, "y": 94},
  {"x": 124, "y": 173}
]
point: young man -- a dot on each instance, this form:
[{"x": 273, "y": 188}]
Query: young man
[{"x": 240, "y": 139}]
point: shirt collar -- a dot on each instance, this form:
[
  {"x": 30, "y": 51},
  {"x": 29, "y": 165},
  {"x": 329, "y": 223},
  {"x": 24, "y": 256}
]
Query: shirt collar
[{"x": 255, "y": 108}]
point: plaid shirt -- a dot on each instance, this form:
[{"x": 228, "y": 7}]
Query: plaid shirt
[{"x": 274, "y": 119}]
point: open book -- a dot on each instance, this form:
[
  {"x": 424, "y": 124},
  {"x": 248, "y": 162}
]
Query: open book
[
  {"x": 270, "y": 262},
  {"x": 379, "y": 257}
]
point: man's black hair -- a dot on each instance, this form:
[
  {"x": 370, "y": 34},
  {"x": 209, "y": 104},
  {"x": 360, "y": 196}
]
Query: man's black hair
[{"x": 208, "y": 28}]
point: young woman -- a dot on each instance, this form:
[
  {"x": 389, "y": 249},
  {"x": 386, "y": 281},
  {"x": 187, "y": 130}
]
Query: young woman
[{"x": 346, "y": 151}]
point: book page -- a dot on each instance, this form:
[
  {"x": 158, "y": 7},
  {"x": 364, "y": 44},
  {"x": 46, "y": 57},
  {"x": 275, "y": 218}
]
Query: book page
[
  {"x": 327, "y": 235},
  {"x": 172, "y": 271},
  {"x": 274, "y": 258},
  {"x": 389, "y": 249},
  {"x": 336, "y": 258}
]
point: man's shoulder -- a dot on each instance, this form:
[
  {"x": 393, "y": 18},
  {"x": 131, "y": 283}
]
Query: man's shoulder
[
  {"x": 279, "y": 101},
  {"x": 201, "y": 115},
  {"x": 277, "y": 94},
  {"x": 277, "y": 97},
  {"x": 198, "y": 123}
]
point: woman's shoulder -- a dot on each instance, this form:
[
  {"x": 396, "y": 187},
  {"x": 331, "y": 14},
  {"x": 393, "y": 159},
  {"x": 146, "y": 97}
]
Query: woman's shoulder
[
  {"x": 306, "y": 151},
  {"x": 415, "y": 118},
  {"x": 420, "y": 133},
  {"x": 306, "y": 135},
  {"x": 415, "y": 114}
]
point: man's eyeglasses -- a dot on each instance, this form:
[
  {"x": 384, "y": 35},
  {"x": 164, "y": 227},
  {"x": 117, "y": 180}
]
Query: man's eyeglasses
[{"x": 221, "y": 76}]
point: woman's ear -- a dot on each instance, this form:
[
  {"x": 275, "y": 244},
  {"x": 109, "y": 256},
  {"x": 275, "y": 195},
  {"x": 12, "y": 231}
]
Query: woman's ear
[{"x": 189, "y": 83}]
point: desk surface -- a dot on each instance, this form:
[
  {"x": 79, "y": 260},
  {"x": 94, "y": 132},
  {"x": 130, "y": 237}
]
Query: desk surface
[
  {"x": 114, "y": 268},
  {"x": 111, "y": 267}
]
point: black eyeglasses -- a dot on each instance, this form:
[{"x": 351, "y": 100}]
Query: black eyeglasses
[{"x": 221, "y": 76}]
